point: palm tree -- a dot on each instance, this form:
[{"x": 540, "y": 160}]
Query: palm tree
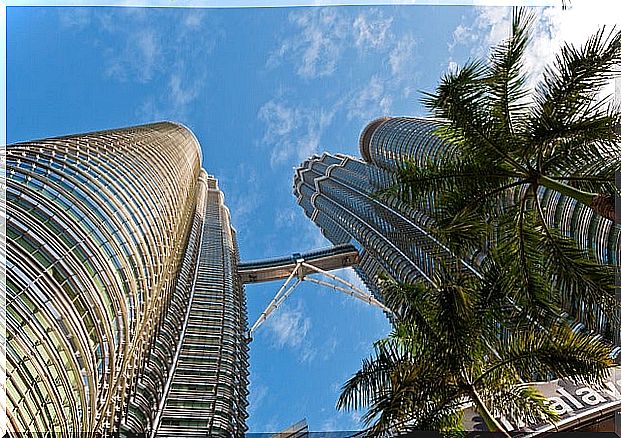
[
  {"x": 446, "y": 351},
  {"x": 507, "y": 145},
  {"x": 561, "y": 137}
]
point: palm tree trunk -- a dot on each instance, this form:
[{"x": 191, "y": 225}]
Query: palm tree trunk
[
  {"x": 603, "y": 205},
  {"x": 492, "y": 424}
]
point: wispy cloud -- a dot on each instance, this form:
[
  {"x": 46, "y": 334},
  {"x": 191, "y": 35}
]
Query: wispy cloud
[
  {"x": 258, "y": 393},
  {"x": 372, "y": 100},
  {"x": 553, "y": 27},
  {"x": 317, "y": 44},
  {"x": 137, "y": 47},
  {"x": 137, "y": 60},
  {"x": 75, "y": 18},
  {"x": 243, "y": 199},
  {"x": 401, "y": 58},
  {"x": 288, "y": 326},
  {"x": 294, "y": 132},
  {"x": 321, "y": 36},
  {"x": 342, "y": 421},
  {"x": 371, "y": 29}
]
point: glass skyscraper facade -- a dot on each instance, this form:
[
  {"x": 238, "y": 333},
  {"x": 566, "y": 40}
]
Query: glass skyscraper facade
[
  {"x": 388, "y": 143},
  {"x": 124, "y": 312},
  {"x": 337, "y": 193}
]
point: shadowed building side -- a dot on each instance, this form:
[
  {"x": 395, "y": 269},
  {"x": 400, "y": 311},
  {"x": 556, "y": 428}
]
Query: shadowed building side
[
  {"x": 335, "y": 193},
  {"x": 389, "y": 143},
  {"x": 206, "y": 394}
]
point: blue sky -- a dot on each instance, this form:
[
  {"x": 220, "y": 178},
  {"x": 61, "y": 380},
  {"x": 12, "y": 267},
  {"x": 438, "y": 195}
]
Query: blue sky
[{"x": 262, "y": 89}]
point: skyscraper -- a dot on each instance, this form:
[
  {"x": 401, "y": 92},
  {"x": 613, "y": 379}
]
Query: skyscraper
[
  {"x": 388, "y": 143},
  {"x": 122, "y": 307},
  {"x": 337, "y": 193}
]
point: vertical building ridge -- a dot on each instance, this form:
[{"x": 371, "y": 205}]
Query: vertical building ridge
[
  {"x": 103, "y": 235},
  {"x": 337, "y": 193}
]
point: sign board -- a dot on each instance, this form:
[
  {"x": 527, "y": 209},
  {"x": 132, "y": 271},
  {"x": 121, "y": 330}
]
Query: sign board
[{"x": 576, "y": 404}]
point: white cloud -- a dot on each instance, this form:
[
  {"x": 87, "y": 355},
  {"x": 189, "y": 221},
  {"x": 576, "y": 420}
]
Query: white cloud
[
  {"x": 193, "y": 19},
  {"x": 286, "y": 217},
  {"x": 371, "y": 29},
  {"x": 279, "y": 119},
  {"x": 317, "y": 46},
  {"x": 145, "y": 53},
  {"x": 243, "y": 199},
  {"x": 288, "y": 327},
  {"x": 371, "y": 101},
  {"x": 293, "y": 132},
  {"x": 136, "y": 49},
  {"x": 329, "y": 347},
  {"x": 401, "y": 58},
  {"x": 342, "y": 421},
  {"x": 322, "y": 35},
  {"x": 139, "y": 55},
  {"x": 574, "y": 25},
  {"x": 552, "y": 29},
  {"x": 182, "y": 93},
  {"x": 463, "y": 34},
  {"x": 77, "y": 18},
  {"x": 257, "y": 395}
]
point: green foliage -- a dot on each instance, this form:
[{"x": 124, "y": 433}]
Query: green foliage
[
  {"x": 446, "y": 351},
  {"x": 477, "y": 338},
  {"x": 508, "y": 146}
]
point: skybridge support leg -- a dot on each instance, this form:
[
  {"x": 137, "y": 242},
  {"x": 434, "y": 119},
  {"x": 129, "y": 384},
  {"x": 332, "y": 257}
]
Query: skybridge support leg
[
  {"x": 350, "y": 288},
  {"x": 280, "y": 296},
  {"x": 285, "y": 290}
]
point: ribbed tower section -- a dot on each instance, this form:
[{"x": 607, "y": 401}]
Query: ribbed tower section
[
  {"x": 206, "y": 391},
  {"x": 388, "y": 143},
  {"x": 96, "y": 230},
  {"x": 336, "y": 192},
  {"x": 121, "y": 298}
]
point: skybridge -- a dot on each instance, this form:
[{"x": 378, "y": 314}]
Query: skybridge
[
  {"x": 337, "y": 257},
  {"x": 297, "y": 268}
]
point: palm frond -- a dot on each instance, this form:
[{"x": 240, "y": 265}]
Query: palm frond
[
  {"x": 518, "y": 253},
  {"x": 416, "y": 183},
  {"x": 507, "y": 80},
  {"x": 577, "y": 143},
  {"x": 570, "y": 87},
  {"x": 586, "y": 288},
  {"x": 521, "y": 404},
  {"x": 557, "y": 351}
]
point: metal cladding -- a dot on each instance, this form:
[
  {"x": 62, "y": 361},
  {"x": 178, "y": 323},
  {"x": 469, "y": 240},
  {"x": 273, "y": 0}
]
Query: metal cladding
[
  {"x": 101, "y": 230},
  {"x": 337, "y": 193},
  {"x": 337, "y": 257},
  {"x": 389, "y": 143},
  {"x": 206, "y": 392}
]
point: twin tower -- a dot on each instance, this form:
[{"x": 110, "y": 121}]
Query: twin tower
[{"x": 125, "y": 309}]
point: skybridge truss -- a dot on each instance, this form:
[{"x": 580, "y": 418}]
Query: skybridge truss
[{"x": 299, "y": 267}]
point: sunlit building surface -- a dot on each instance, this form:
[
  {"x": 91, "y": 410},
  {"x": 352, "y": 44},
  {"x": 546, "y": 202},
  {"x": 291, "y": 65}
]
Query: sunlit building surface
[
  {"x": 123, "y": 312},
  {"x": 337, "y": 192}
]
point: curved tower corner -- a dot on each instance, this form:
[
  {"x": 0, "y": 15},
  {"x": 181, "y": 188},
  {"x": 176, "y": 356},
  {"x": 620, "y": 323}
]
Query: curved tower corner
[
  {"x": 366, "y": 135},
  {"x": 102, "y": 230}
]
